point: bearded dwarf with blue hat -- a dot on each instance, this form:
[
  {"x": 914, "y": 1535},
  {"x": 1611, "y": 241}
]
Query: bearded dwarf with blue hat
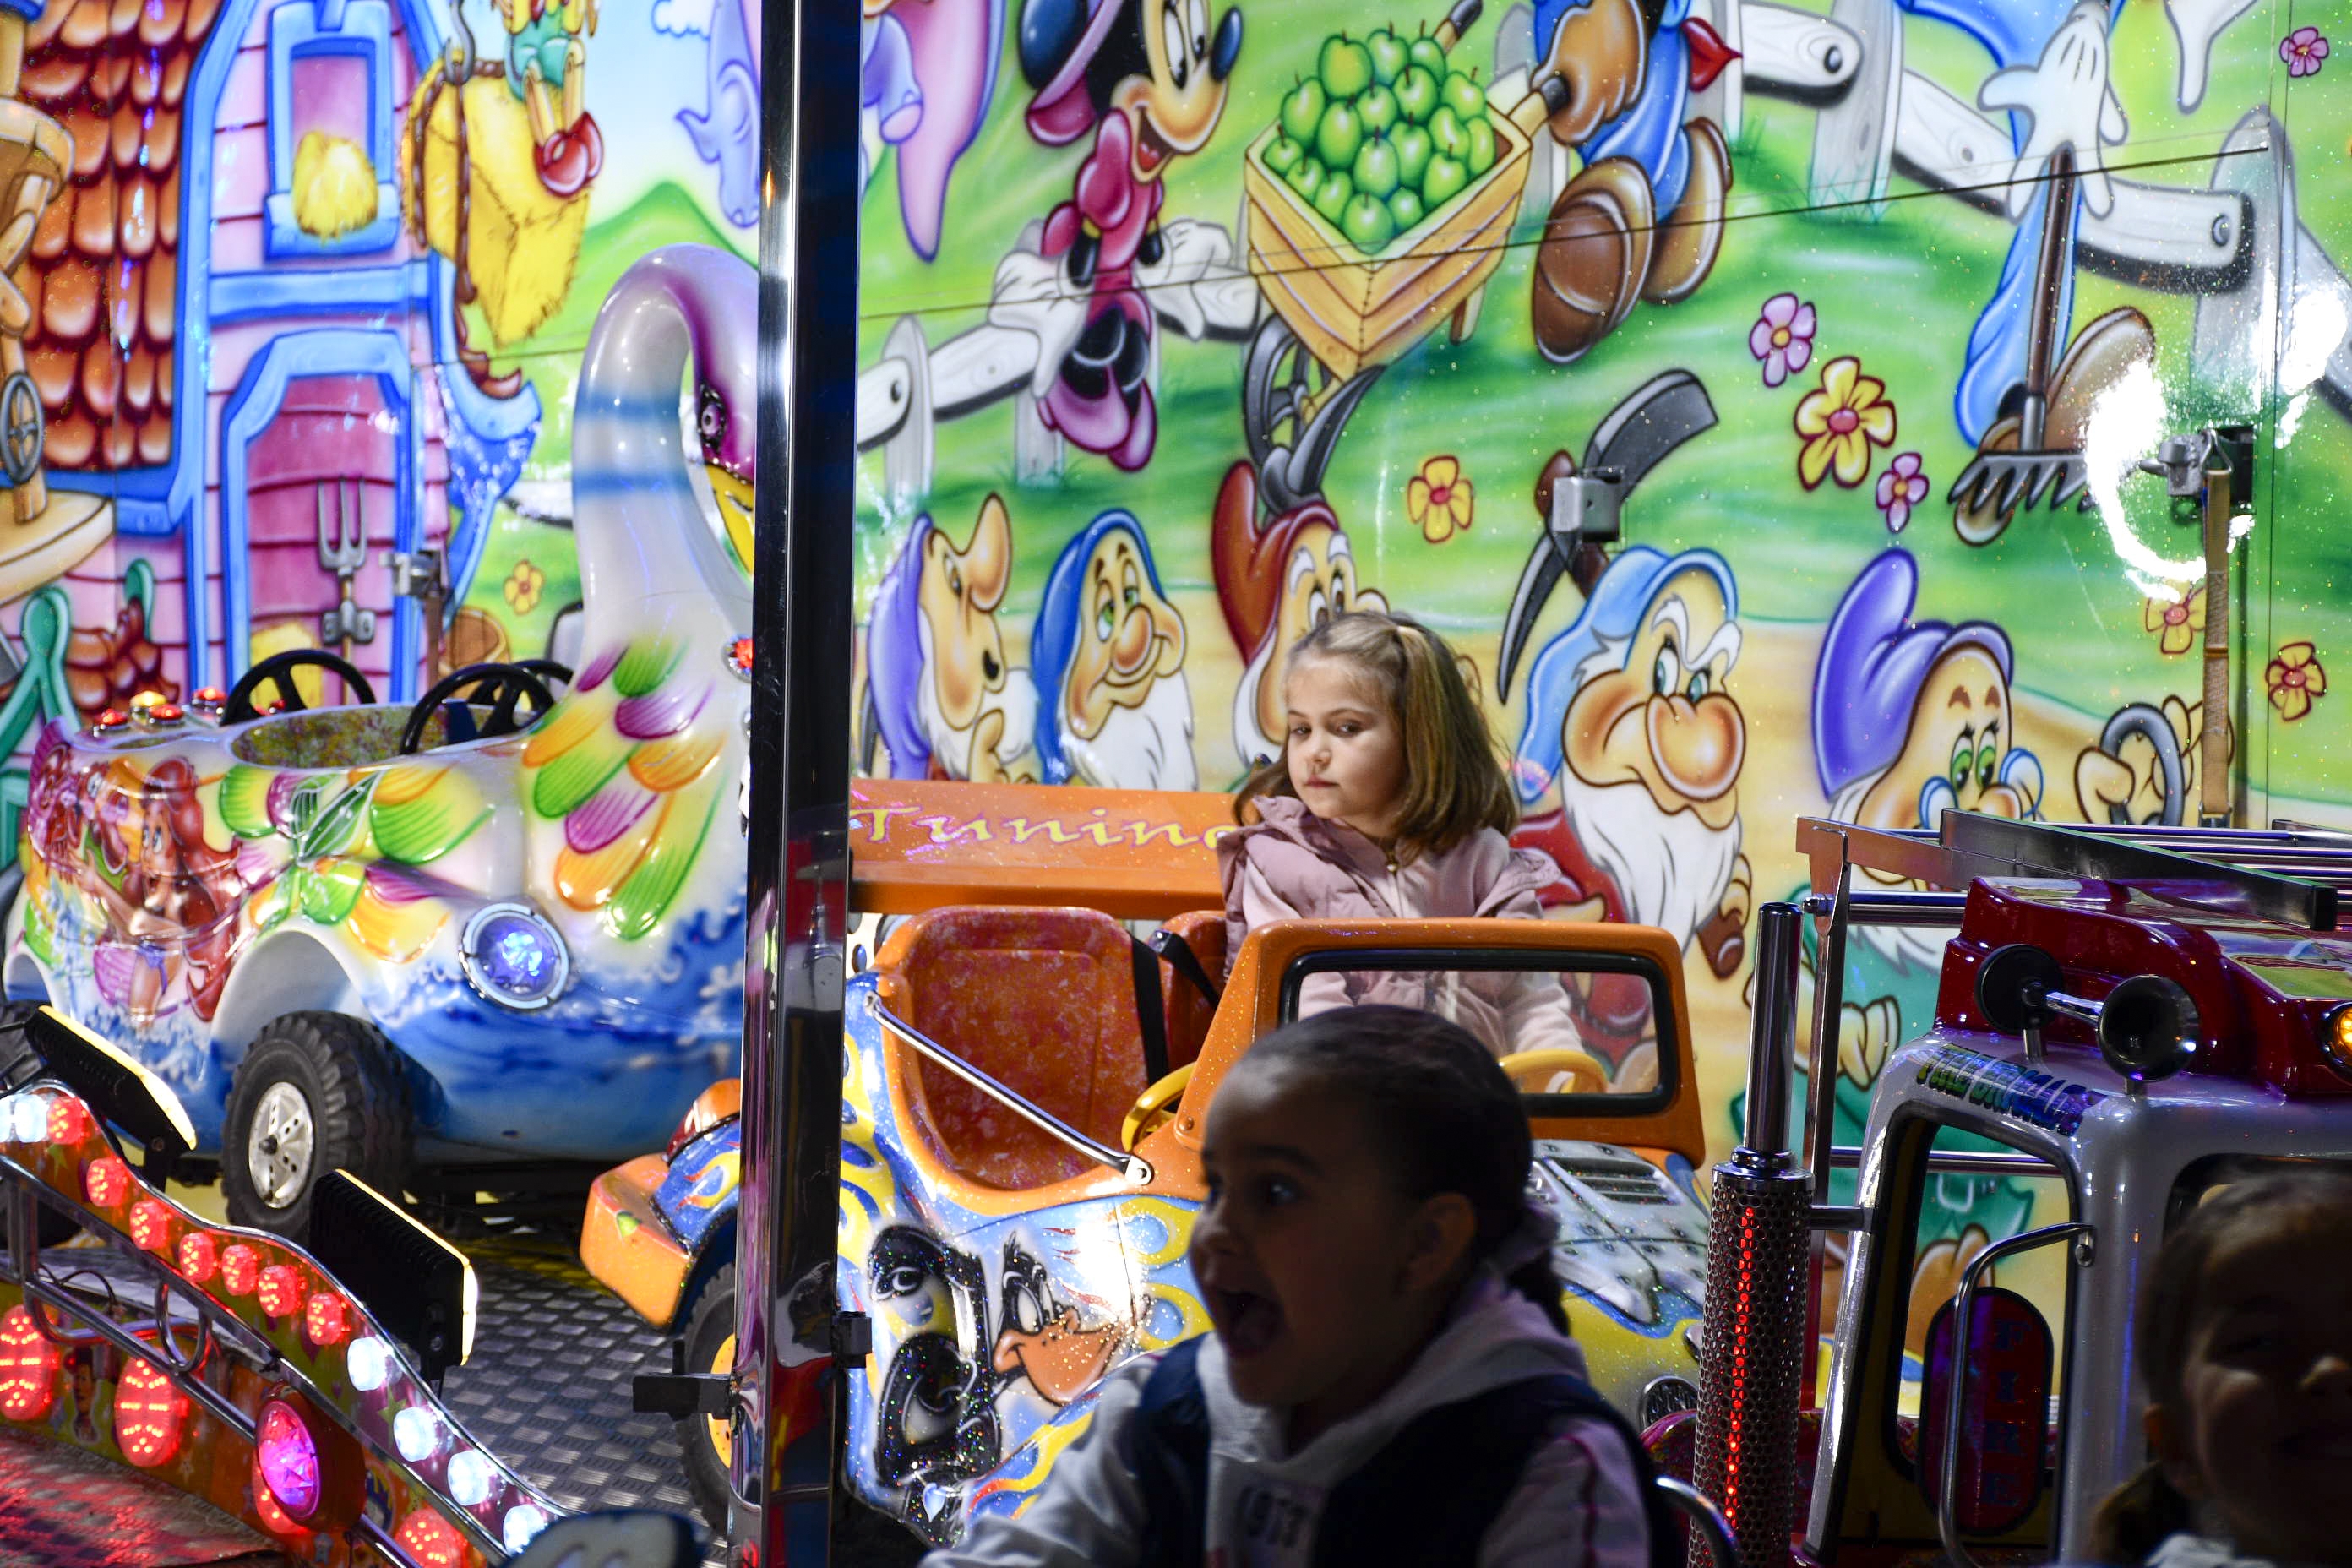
[
  {"x": 1108, "y": 659},
  {"x": 1627, "y": 714}
]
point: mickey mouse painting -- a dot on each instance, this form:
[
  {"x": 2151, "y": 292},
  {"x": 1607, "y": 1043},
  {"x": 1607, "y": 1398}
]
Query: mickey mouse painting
[{"x": 1150, "y": 78}]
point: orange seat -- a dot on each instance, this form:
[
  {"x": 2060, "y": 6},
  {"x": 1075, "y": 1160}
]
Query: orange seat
[
  {"x": 1190, "y": 1014},
  {"x": 1041, "y": 1000}
]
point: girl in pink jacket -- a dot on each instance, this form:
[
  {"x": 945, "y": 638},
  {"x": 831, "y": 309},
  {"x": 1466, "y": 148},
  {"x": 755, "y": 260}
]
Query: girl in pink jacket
[{"x": 1389, "y": 802}]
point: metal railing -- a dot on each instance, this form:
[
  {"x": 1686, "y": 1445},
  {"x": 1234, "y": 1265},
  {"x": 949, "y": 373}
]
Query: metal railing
[{"x": 1134, "y": 1167}]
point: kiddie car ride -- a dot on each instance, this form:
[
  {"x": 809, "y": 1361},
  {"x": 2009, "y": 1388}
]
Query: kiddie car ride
[
  {"x": 503, "y": 928},
  {"x": 1023, "y": 1094},
  {"x": 2136, "y": 1017}
]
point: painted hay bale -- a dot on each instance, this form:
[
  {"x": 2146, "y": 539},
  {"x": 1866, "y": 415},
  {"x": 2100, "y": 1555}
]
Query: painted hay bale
[{"x": 522, "y": 240}]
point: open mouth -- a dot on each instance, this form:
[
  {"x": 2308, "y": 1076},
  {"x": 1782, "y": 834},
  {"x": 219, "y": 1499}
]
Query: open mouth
[
  {"x": 1247, "y": 1322},
  {"x": 990, "y": 669},
  {"x": 1151, "y": 149}
]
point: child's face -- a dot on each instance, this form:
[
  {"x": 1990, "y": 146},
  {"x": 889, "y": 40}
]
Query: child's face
[
  {"x": 1345, "y": 753},
  {"x": 2265, "y": 1436},
  {"x": 1322, "y": 1279}
]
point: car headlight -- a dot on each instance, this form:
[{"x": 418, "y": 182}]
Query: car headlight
[{"x": 513, "y": 957}]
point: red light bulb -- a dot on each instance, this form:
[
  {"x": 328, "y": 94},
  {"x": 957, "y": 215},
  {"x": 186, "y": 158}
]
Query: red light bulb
[
  {"x": 328, "y": 1319},
  {"x": 149, "y": 1414},
  {"x": 240, "y": 1270},
  {"x": 68, "y": 1122},
  {"x": 433, "y": 1541},
  {"x": 28, "y": 1368},
  {"x": 151, "y": 1226},
  {"x": 107, "y": 1180},
  {"x": 199, "y": 1256},
  {"x": 281, "y": 1290}
]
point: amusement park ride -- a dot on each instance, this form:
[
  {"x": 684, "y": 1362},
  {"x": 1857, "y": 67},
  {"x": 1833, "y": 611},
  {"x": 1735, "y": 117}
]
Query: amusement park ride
[{"x": 839, "y": 1244}]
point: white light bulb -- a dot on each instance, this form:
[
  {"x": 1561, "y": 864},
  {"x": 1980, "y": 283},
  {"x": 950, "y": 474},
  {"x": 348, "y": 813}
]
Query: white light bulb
[
  {"x": 524, "y": 1521},
  {"x": 417, "y": 1435},
  {"x": 27, "y": 1119},
  {"x": 368, "y": 1362},
  {"x": 471, "y": 1477}
]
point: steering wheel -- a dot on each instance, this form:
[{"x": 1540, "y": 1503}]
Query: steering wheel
[
  {"x": 1533, "y": 1072},
  {"x": 555, "y": 672},
  {"x": 502, "y": 686},
  {"x": 278, "y": 669}
]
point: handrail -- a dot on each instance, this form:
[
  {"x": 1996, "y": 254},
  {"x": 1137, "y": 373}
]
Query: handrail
[
  {"x": 1971, "y": 1162},
  {"x": 1722, "y": 1546},
  {"x": 1134, "y": 1167},
  {"x": 1948, "y": 1524}
]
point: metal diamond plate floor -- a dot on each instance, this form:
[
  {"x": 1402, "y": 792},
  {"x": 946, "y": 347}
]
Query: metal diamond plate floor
[
  {"x": 59, "y": 1508},
  {"x": 547, "y": 1388}
]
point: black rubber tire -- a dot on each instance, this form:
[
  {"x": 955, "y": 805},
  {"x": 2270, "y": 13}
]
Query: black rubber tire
[
  {"x": 358, "y": 1101},
  {"x": 709, "y": 1324}
]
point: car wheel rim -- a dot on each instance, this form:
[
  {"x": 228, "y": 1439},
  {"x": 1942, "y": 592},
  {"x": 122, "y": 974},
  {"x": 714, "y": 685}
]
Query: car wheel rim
[
  {"x": 277, "y": 1149},
  {"x": 722, "y": 1362}
]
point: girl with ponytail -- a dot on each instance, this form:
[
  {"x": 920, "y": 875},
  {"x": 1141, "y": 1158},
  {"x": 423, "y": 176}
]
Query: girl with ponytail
[
  {"x": 1390, "y": 1378},
  {"x": 1389, "y": 802},
  {"x": 2245, "y": 1349}
]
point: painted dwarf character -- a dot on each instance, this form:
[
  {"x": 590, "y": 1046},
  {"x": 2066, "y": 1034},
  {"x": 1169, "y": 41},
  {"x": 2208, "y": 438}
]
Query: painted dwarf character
[
  {"x": 1107, "y": 660},
  {"x": 939, "y": 696},
  {"x": 1628, "y": 715},
  {"x": 1277, "y": 579}
]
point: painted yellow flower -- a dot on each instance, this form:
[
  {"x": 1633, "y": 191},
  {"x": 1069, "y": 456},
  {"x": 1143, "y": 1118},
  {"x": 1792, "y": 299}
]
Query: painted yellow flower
[
  {"x": 522, "y": 586},
  {"x": 1438, "y": 499},
  {"x": 2296, "y": 680},
  {"x": 1840, "y": 421},
  {"x": 2175, "y": 624}
]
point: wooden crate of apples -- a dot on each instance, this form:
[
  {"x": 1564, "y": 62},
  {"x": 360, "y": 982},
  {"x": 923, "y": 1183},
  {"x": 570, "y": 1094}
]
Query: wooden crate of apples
[{"x": 1380, "y": 198}]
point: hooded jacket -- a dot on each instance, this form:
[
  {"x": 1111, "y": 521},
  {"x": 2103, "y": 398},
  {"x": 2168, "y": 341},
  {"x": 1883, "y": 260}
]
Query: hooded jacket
[
  {"x": 1292, "y": 864},
  {"x": 1577, "y": 1501}
]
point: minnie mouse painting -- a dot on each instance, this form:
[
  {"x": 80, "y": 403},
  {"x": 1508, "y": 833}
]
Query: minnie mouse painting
[{"x": 1150, "y": 78}]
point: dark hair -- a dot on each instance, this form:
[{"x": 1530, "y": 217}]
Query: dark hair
[
  {"x": 1453, "y": 783},
  {"x": 1446, "y": 1118},
  {"x": 2136, "y": 1517}
]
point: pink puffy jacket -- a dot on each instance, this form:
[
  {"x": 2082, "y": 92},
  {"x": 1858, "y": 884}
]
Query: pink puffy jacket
[{"x": 1293, "y": 864}]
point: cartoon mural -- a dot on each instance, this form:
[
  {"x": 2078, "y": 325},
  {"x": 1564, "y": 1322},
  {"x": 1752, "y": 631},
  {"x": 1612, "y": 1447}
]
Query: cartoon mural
[{"x": 1813, "y": 280}]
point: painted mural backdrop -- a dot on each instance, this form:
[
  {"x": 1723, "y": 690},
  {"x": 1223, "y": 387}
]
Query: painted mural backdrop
[
  {"x": 295, "y": 297},
  {"x": 1186, "y": 322}
]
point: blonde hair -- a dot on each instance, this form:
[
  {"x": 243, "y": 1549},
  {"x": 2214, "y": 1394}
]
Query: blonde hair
[{"x": 1454, "y": 779}]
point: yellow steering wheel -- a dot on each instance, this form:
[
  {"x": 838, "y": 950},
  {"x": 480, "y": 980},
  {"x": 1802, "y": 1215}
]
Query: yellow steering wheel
[
  {"x": 1154, "y": 1106},
  {"x": 1534, "y": 1071}
]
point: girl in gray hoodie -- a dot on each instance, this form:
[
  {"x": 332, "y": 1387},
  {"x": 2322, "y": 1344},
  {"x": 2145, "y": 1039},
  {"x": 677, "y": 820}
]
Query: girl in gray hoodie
[{"x": 1389, "y": 1379}]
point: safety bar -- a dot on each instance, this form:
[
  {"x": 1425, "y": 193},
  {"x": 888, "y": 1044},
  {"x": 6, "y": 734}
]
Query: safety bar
[
  {"x": 1948, "y": 1524},
  {"x": 1134, "y": 1167},
  {"x": 1722, "y": 1546}
]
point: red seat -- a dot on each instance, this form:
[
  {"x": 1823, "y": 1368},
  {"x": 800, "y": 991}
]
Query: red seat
[{"x": 1044, "y": 1002}]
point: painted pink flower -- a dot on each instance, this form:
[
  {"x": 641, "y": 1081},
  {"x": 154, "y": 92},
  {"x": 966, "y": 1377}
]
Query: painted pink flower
[
  {"x": 1782, "y": 337},
  {"x": 1901, "y": 487},
  {"x": 2303, "y": 49}
]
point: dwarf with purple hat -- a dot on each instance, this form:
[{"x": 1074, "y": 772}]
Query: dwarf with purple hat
[
  {"x": 1911, "y": 718},
  {"x": 1150, "y": 81},
  {"x": 940, "y": 698}
]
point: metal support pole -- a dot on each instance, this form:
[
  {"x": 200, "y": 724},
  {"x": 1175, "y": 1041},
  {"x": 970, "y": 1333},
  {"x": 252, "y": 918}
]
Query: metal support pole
[
  {"x": 1751, "y": 1355},
  {"x": 2213, "y": 740},
  {"x": 797, "y": 857}
]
